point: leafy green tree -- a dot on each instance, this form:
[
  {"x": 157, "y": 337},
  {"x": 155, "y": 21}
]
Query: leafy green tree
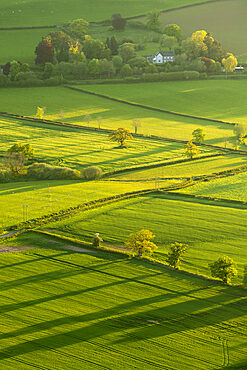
[
  {"x": 78, "y": 28},
  {"x": 93, "y": 68},
  {"x": 118, "y": 23},
  {"x": 127, "y": 51},
  {"x": 14, "y": 162},
  {"x": 194, "y": 48},
  {"x": 93, "y": 49},
  {"x": 15, "y": 68},
  {"x": 25, "y": 149},
  {"x": 138, "y": 61},
  {"x": 61, "y": 43},
  {"x": 168, "y": 42},
  {"x": 121, "y": 135},
  {"x": 198, "y": 135},
  {"x": 136, "y": 123},
  {"x": 224, "y": 269},
  {"x": 173, "y": 30},
  {"x": 153, "y": 21},
  {"x": 97, "y": 240},
  {"x": 176, "y": 253},
  {"x": 140, "y": 243},
  {"x": 117, "y": 62},
  {"x": 126, "y": 70},
  {"x": 191, "y": 150},
  {"x": 240, "y": 130},
  {"x": 106, "y": 68},
  {"x": 112, "y": 44},
  {"x": 48, "y": 70}
]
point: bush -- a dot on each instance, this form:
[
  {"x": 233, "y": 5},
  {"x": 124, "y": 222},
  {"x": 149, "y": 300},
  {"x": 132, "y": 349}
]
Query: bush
[
  {"x": 43, "y": 171},
  {"x": 92, "y": 173}
]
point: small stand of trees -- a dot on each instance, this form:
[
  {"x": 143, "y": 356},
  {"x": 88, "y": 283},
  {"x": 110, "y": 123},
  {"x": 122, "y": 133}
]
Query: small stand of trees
[
  {"x": 224, "y": 269},
  {"x": 175, "y": 254},
  {"x": 140, "y": 243}
]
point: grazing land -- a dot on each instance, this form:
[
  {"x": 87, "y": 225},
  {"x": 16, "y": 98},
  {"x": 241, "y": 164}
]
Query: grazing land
[
  {"x": 52, "y": 12},
  {"x": 210, "y": 229},
  {"x": 216, "y": 99},
  {"x": 233, "y": 187},
  {"x": 120, "y": 311}
]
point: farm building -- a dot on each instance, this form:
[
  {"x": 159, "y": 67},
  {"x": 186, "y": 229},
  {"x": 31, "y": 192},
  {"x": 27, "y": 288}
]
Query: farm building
[{"x": 161, "y": 57}]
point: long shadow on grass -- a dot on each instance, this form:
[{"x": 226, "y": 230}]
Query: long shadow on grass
[{"x": 176, "y": 318}]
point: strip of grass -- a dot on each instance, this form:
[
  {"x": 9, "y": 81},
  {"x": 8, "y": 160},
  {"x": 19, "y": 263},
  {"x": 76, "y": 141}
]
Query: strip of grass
[
  {"x": 121, "y": 313},
  {"x": 76, "y": 106},
  {"x": 233, "y": 187},
  {"x": 210, "y": 229},
  {"x": 199, "y": 167}
]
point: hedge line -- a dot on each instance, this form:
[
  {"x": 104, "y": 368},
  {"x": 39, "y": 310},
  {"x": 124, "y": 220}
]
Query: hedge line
[{"x": 147, "y": 107}]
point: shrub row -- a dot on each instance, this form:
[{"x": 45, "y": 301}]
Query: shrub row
[
  {"x": 30, "y": 82},
  {"x": 43, "y": 171}
]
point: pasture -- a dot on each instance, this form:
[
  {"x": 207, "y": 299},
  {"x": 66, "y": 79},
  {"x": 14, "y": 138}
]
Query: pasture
[
  {"x": 95, "y": 310},
  {"x": 75, "y": 105},
  {"x": 233, "y": 187},
  {"x": 216, "y": 99},
  {"x": 52, "y": 12},
  {"x": 210, "y": 229}
]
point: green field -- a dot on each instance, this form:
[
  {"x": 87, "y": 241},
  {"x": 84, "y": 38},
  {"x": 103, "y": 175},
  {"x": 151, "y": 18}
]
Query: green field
[
  {"x": 71, "y": 310},
  {"x": 233, "y": 187},
  {"x": 213, "y": 18},
  {"x": 199, "y": 167},
  {"x": 210, "y": 229},
  {"x": 217, "y": 99},
  {"x": 76, "y": 106},
  {"x": 50, "y": 12}
]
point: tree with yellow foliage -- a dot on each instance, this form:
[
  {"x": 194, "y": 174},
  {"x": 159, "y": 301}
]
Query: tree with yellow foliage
[
  {"x": 140, "y": 243},
  {"x": 230, "y": 63},
  {"x": 40, "y": 113}
]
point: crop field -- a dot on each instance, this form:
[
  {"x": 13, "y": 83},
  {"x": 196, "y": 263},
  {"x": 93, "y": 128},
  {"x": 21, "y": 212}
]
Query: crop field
[
  {"x": 210, "y": 229},
  {"x": 217, "y": 99},
  {"x": 199, "y": 167},
  {"x": 75, "y": 106},
  {"x": 51, "y": 12},
  {"x": 233, "y": 187},
  {"x": 95, "y": 310}
]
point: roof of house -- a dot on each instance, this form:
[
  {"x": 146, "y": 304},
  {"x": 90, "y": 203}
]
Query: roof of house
[{"x": 165, "y": 53}]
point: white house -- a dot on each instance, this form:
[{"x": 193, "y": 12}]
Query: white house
[{"x": 161, "y": 57}]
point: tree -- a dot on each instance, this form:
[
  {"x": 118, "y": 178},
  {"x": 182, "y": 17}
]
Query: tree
[
  {"x": 127, "y": 51},
  {"x": 173, "y": 30},
  {"x": 224, "y": 269},
  {"x": 88, "y": 118},
  {"x": 93, "y": 68},
  {"x": 97, "y": 240},
  {"x": 136, "y": 123},
  {"x": 106, "y": 68},
  {"x": 76, "y": 54},
  {"x": 117, "y": 62},
  {"x": 40, "y": 113},
  {"x": 14, "y": 162},
  {"x": 25, "y": 149},
  {"x": 194, "y": 48},
  {"x": 15, "y": 68},
  {"x": 48, "y": 70},
  {"x": 78, "y": 28},
  {"x": 168, "y": 42},
  {"x": 191, "y": 150},
  {"x": 229, "y": 63},
  {"x": 140, "y": 243},
  {"x": 113, "y": 45},
  {"x": 198, "y": 135},
  {"x": 121, "y": 135},
  {"x": 153, "y": 21},
  {"x": 99, "y": 120},
  {"x": 61, "y": 43},
  {"x": 118, "y": 23},
  {"x": 126, "y": 70},
  {"x": 93, "y": 49},
  {"x": 175, "y": 254},
  {"x": 44, "y": 52},
  {"x": 240, "y": 130},
  {"x": 199, "y": 35}
]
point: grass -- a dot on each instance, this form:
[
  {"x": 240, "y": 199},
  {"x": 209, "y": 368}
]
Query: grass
[
  {"x": 76, "y": 106},
  {"x": 217, "y": 99},
  {"x": 233, "y": 187},
  {"x": 199, "y": 167},
  {"x": 48, "y": 196},
  {"x": 50, "y": 12},
  {"x": 65, "y": 309},
  {"x": 210, "y": 229},
  {"x": 80, "y": 149}
]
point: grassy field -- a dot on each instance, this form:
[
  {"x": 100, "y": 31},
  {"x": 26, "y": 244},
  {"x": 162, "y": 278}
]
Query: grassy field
[
  {"x": 76, "y": 106},
  {"x": 217, "y": 99},
  {"x": 48, "y": 196},
  {"x": 210, "y": 229},
  {"x": 50, "y": 12},
  {"x": 199, "y": 167},
  {"x": 213, "y": 18},
  {"x": 81, "y": 148},
  {"x": 62, "y": 309},
  {"x": 233, "y": 187}
]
